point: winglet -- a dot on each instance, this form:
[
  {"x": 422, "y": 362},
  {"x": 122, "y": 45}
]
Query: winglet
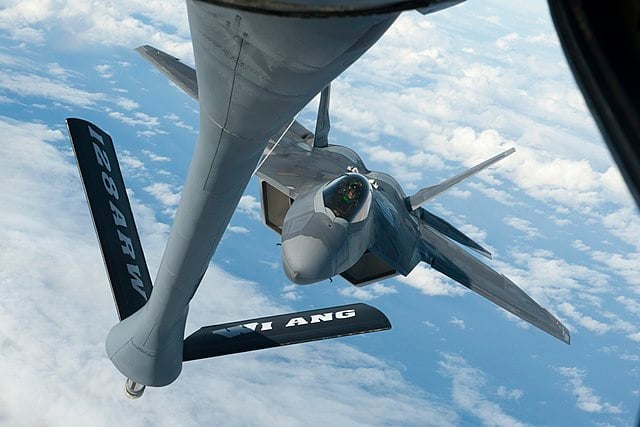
[
  {"x": 284, "y": 329},
  {"x": 429, "y": 193},
  {"x": 112, "y": 216}
]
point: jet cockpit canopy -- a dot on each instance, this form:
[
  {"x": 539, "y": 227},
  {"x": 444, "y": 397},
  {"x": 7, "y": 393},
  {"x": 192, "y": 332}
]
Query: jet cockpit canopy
[{"x": 348, "y": 197}]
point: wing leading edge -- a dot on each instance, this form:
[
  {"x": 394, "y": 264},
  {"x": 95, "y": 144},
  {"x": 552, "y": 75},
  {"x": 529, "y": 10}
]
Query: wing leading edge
[{"x": 454, "y": 262}]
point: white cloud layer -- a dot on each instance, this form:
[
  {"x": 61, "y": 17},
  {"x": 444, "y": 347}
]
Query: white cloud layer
[
  {"x": 128, "y": 24},
  {"x": 586, "y": 399},
  {"x": 165, "y": 193},
  {"x": 250, "y": 206},
  {"x": 468, "y": 391},
  {"x": 427, "y": 101},
  {"x": 368, "y": 292},
  {"x": 432, "y": 283}
]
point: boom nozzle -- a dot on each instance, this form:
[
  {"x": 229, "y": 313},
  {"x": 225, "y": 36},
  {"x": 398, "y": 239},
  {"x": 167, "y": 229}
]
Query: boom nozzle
[{"x": 133, "y": 390}]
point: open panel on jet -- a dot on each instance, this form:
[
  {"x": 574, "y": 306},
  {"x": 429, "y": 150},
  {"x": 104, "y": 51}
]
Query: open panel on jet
[
  {"x": 275, "y": 205},
  {"x": 369, "y": 268}
]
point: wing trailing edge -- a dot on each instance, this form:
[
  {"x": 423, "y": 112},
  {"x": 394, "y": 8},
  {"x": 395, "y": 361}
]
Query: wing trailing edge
[
  {"x": 112, "y": 216},
  {"x": 428, "y": 193}
]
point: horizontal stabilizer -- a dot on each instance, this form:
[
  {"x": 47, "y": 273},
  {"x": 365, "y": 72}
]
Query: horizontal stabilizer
[
  {"x": 112, "y": 216},
  {"x": 452, "y": 261},
  {"x": 283, "y": 329},
  {"x": 429, "y": 193},
  {"x": 451, "y": 232},
  {"x": 181, "y": 74}
]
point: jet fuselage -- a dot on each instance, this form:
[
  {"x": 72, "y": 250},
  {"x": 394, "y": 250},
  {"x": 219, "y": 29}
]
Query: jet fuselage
[{"x": 328, "y": 230}]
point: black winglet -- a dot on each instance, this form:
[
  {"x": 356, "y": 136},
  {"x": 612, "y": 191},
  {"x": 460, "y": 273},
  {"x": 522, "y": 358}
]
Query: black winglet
[
  {"x": 112, "y": 216},
  {"x": 283, "y": 329}
]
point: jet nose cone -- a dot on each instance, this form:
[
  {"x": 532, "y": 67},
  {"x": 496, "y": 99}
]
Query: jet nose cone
[{"x": 306, "y": 260}]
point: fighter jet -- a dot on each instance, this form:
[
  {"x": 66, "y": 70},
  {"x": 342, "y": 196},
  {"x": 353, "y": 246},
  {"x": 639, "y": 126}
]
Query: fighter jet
[
  {"x": 257, "y": 63},
  {"x": 337, "y": 217}
]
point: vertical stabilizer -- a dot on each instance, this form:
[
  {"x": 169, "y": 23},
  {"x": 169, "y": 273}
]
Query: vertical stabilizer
[
  {"x": 428, "y": 193},
  {"x": 323, "y": 124}
]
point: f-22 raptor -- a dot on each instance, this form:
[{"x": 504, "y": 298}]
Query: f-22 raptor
[
  {"x": 336, "y": 216},
  {"x": 256, "y": 65}
]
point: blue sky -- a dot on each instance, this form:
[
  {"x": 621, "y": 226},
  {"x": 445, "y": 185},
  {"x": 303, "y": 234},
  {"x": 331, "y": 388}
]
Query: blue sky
[{"x": 437, "y": 94}]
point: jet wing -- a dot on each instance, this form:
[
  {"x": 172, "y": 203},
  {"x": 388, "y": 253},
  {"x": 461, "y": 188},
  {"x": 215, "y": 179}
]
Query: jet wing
[
  {"x": 294, "y": 166},
  {"x": 451, "y": 260}
]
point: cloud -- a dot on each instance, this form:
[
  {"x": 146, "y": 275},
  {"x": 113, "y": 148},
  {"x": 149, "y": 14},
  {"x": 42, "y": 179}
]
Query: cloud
[
  {"x": 126, "y": 103},
  {"x": 154, "y": 157},
  {"x": 431, "y": 282},
  {"x": 468, "y": 385},
  {"x": 237, "y": 229},
  {"x": 130, "y": 24},
  {"x": 290, "y": 292},
  {"x": 523, "y": 225},
  {"x": 626, "y": 266},
  {"x": 550, "y": 279},
  {"x": 587, "y": 400},
  {"x": 368, "y": 292},
  {"x": 465, "y": 105},
  {"x": 630, "y": 304},
  {"x": 634, "y": 337},
  {"x": 32, "y": 85},
  {"x": 250, "y": 206},
  {"x": 587, "y": 322},
  {"x": 58, "y": 303},
  {"x": 505, "y": 42},
  {"x": 458, "y": 323},
  {"x": 405, "y": 168},
  {"x": 495, "y": 194},
  {"x": 505, "y": 393},
  {"x": 137, "y": 119},
  {"x": 165, "y": 193},
  {"x": 130, "y": 162},
  {"x": 104, "y": 71},
  {"x": 175, "y": 119},
  {"x": 430, "y": 325}
]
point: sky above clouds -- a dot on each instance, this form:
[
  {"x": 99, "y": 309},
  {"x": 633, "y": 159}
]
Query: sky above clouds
[{"x": 439, "y": 93}]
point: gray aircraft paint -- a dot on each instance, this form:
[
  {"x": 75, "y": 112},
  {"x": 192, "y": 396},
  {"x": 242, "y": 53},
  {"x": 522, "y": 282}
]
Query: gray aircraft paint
[{"x": 252, "y": 78}]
